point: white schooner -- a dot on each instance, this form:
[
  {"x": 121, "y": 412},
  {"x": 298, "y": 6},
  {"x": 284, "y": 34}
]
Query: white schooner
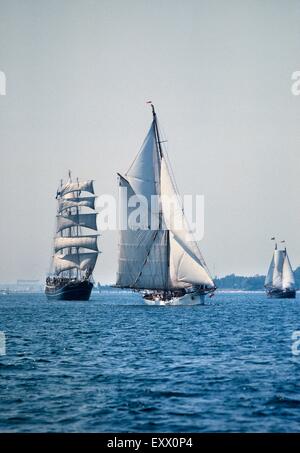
[
  {"x": 280, "y": 281},
  {"x": 165, "y": 264}
]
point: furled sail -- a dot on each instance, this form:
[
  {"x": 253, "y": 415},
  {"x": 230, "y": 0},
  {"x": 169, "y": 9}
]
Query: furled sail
[
  {"x": 87, "y": 242},
  {"x": 65, "y": 203},
  {"x": 73, "y": 220},
  {"x": 288, "y": 279},
  {"x": 82, "y": 261}
]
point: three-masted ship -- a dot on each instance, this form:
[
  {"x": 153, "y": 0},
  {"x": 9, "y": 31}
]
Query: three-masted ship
[
  {"x": 75, "y": 248},
  {"x": 163, "y": 263},
  {"x": 280, "y": 281}
]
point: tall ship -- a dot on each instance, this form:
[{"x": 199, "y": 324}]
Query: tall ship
[
  {"x": 75, "y": 247},
  {"x": 163, "y": 263},
  {"x": 280, "y": 281}
]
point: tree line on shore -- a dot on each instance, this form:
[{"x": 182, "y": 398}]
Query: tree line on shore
[{"x": 254, "y": 283}]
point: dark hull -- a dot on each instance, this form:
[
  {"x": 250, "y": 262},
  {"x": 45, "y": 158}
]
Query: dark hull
[
  {"x": 69, "y": 291},
  {"x": 281, "y": 294}
]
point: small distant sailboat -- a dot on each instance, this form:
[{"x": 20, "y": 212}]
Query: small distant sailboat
[
  {"x": 160, "y": 263},
  {"x": 71, "y": 269},
  {"x": 280, "y": 281}
]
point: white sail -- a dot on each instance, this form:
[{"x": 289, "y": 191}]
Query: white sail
[
  {"x": 154, "y": 271},
  {"x": 86, "y": 186},
  {"x": 269, "y": 277},
  {"x": 65, "y": 203},
  {"x": 83, "y": 220},
  {"x": 288, "y": 279},
  {"x": 278, "y": 266},
  {"x": 185, "y": 252},
  {"x": 82, "y": 261},
  {"x": 134, "y": 247},
  {"x": 184, "y": 270},
  {"x": 143, "y": 174},
  {"x": 143, "y": 253},
  {"x": 87, "y": 242},
  {"x": 168, "y": 257}
]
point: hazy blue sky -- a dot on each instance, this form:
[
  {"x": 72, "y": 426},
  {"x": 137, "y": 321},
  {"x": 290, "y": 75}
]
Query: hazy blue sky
[{"x": 78, "y": 75}]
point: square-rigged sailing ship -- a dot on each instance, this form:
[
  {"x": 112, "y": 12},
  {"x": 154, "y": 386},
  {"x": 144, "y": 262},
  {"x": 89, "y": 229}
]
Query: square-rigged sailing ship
[
  {"x": 161, "y": 263},
  {"x": 75, "y": 253}
]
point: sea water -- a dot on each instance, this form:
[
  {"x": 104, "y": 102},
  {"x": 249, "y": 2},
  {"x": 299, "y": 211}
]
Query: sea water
[{"x": 115, "y": 364}]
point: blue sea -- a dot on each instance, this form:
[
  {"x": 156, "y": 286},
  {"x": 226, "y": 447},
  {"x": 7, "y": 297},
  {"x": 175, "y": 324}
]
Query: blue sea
[{"x": 115, "y": 364}]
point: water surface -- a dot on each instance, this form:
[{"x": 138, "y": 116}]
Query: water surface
[{"x": 115, "y": 364}]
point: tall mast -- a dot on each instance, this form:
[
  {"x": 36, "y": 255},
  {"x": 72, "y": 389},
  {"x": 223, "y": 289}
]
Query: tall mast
[
  {"x": 70, "y": 229},
  {"x": 77, "y": 229},
  {"x": 274, "y": 239},
  {"x": 160, "y": 153},
  {"x": 168, "y": 259},
  {"x": 156, "y": 132}
]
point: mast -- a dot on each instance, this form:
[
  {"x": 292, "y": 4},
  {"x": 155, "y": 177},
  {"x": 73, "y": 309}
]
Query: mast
[
  {"x": 156, "y": 132},
  {"x": 168, "y": 259},
  {"x": 70, "y": 229},
  {"x": 160, "y": 154},
  {"x": 77, "y": 228}
]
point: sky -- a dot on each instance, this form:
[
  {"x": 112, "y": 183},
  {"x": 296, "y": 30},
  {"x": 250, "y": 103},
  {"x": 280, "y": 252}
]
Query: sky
[{"x": 78, "y": 74}]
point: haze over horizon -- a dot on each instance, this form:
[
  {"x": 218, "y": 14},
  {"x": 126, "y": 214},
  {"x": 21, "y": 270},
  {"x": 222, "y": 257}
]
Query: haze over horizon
[{"x": 78, "y": 76}]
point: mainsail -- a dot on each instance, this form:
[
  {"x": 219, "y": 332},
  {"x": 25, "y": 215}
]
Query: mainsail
[
  {"x": 280, "y": 274},
  {"x": 165, "y": 257},
  {"x": 75, "y": 252}
]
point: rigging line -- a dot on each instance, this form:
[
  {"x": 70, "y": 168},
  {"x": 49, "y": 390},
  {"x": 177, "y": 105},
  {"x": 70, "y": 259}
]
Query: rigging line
[
  {"x": 166, "y": 156},
  {"x": 173, "y": 181},
  {"x": 175, "y": 187},
  {"x": 157, "y": 137}
]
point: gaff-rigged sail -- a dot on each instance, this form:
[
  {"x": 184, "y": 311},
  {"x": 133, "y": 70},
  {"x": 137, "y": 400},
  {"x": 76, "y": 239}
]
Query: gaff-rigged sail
[
  {"x": 167, "y": 257},
  {"x": 280, "y": 274}
]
